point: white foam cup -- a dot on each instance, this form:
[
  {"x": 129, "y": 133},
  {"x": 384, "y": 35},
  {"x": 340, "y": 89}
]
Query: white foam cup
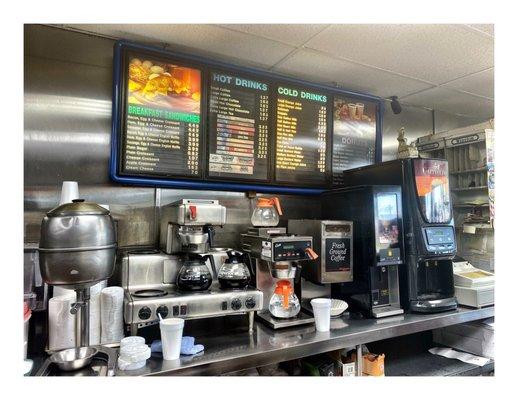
[
  {"x": 69, "y": 192},
  {"x": 322, "y": 314},
  {"x": 171, "y": 330}
]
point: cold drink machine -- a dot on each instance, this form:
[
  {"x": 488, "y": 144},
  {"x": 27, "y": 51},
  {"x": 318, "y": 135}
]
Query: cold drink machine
[
  {"x": 377, "y": 246},
  {"x": 429, "y": 232}
]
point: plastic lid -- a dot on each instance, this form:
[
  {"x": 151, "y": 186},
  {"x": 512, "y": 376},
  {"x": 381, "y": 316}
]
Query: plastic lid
[
  {"x": 132, "y": 340},
  {"x": 77, "y": 207},
  {"x": 135, "y": 352}
]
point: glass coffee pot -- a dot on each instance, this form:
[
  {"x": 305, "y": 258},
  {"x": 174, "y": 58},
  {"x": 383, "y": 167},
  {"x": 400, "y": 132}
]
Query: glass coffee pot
[
  {"x": 284, "y": 303},
  {"x": 266, "y": 212},
  {"x": 234, "y": 273},
  {"x": 194, "y": 274}
]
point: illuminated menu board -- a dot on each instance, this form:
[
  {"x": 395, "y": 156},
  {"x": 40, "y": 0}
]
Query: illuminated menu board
[
  {"x": 186, "y": 122},
  {"x": 238, "y": 127},
  {"x": 354, "y": 135},
  {"x": 301, "y": 130},
  {"x": 162, "y": 118}
]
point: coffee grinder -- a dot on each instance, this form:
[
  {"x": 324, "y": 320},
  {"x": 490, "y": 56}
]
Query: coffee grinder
[
  {"x": 377, "y": 246},
  {"x": 275, "y": 255},
  {"x": 427, "y": 283},
  {"x": 332, "y": 240}
]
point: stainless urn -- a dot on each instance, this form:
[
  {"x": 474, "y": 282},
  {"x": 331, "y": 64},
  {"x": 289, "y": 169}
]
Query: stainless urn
[
  {"x": 77, "y": 249},
  {"x": 77, "y": 245}
]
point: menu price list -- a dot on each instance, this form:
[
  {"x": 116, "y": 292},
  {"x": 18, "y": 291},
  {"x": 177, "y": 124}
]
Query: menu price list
[
  {"x": 354, "y": 136},
  {"x": 161, "y": 142},
  {"x": 301, "y": 136},
  {"x": 238, "y": 127}
]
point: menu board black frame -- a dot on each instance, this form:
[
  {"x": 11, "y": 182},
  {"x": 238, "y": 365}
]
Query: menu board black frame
[{"x": 203, "y": 181}]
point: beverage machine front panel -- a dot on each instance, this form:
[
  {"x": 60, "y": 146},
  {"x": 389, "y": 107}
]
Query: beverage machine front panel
[{"x": 388, "y": 228}]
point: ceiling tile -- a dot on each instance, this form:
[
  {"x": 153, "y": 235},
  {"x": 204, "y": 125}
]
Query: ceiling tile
[
  {"x": 482, "y": 83},
  {"x": 435, "y": 53},
  {"x": 320, "y": 68},
  {"x": 206, "y": 39},
  {"x": 453, "y": 102},
  {"x": 485, "y": 28},
  {"x": 294, "y": 34}
]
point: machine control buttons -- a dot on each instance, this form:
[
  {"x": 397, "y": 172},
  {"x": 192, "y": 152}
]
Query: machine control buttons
[
  {"x": 163, "y": 311},
  {"x": 224, "y": 306},
  {"x": 250, "y": 302},
  {"x": 176, "y": 311},
  {"x": 144, "y": 313},
  {"x": 236, "y": 304},
  {"x": 183, "y": 309}
]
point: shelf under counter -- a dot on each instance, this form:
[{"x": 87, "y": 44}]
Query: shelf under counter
[{"x": 236, "y": 351}]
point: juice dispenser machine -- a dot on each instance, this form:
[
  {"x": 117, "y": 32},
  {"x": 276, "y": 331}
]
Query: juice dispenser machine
[
  {"x": 427, "y": 283},
  {"x": 377, "y": 246}
]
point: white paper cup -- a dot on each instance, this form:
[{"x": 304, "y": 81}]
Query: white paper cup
[
  {"x": 69, "y": 192},
  {"x": 171, "y": 330},
  {"x": 322, "y": 314}
]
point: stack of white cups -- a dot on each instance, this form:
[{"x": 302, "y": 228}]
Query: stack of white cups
[
  {"x": 112, "y": 325},
  {"x": 95, "y": 308}
]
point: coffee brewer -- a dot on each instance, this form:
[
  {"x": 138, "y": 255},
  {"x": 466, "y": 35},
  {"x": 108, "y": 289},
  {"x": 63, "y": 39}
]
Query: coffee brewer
[
  {"x": 332, "y": 240},
  {"x": 275, "y": 256},
  {"x": 180, "y": 281},
  {"x": 427, "y": 279},
  {"x": 377, "y": 246},
  {"x": 187, "y": 225}
]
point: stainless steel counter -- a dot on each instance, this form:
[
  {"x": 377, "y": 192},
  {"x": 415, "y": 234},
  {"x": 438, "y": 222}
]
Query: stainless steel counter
[{"x": 238, "y": 351}]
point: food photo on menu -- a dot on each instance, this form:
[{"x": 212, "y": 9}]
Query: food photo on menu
[{"x": 164, "y": 85}]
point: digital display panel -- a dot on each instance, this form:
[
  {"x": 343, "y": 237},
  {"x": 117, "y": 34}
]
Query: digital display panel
[
  {"x": 387, "y": 227},
  {"x": 354, "y": 135},
  {"x": 301, "y": 136},
  {"x": 238, "y": 127},
  {"x": 161, "y": 131},
  {"x": 440, "y": 235}
]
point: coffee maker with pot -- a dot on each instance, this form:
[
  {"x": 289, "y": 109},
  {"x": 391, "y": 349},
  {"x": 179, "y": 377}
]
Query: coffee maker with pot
[
  {"x": 183, "y": 280},
  {"x": 275, "y": 256}
]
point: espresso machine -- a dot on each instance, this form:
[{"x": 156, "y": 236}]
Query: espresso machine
[
  {"x": 377, "y": 246},
  {"x": 182, "y": 279},
  {"x": 275, "y": 257},
  {"x": 427, "y": 283},
  {"x": 332, "y": 240}
]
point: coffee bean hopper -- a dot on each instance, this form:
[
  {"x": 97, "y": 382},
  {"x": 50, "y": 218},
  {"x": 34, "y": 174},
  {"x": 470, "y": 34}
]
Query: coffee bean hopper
[{"x": 77, "y": 250}]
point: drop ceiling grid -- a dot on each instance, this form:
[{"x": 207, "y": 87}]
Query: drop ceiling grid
[{"x": 264, "y": 46}]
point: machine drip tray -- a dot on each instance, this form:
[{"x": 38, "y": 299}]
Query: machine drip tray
[{"x": 302, "y": 318}]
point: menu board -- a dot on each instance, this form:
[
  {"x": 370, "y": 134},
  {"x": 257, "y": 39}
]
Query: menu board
[
  {"x": 354, "y": 135},
  {"x": 183, "y": 121},
  {"x": 301, "y": 130},
  {"x": 162, "y": 135},
  {"x": 238, "y": 127}
]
